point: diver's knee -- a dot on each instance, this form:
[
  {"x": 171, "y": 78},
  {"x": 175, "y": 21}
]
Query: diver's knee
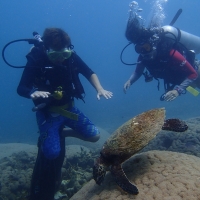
[{"x": 94, "y": 138}]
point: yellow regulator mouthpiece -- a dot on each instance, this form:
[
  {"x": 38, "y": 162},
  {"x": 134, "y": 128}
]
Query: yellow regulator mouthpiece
[{"x": 192, "y": 91}]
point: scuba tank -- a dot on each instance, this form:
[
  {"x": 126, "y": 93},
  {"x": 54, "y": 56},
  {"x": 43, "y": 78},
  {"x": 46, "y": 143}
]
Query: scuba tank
[{"x": 190, "y": 41}]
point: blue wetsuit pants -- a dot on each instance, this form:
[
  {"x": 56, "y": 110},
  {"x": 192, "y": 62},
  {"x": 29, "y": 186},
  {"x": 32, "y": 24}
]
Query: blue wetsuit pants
[
  {"x": 51, "y": 126},
  {"x": 51, "y": 150}
]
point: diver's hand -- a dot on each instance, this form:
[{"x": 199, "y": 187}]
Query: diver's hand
[
  {"x": 127, "y": 85},
  {"x": 40, "y": 94},
  {"x": 171, "y": 95},
  {"x": 105, "y": 93}
]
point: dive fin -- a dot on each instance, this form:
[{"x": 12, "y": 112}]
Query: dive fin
[{"x": 46, "y": 177}]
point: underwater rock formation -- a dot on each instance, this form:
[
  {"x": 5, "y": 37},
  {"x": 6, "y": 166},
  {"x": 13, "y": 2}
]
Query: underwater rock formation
[
  {"x": 158, "y": 175},
  {"x": 77, "y": 169},
  {"x": 16, "y": 171},
  {"x": 15, "y": 177}
]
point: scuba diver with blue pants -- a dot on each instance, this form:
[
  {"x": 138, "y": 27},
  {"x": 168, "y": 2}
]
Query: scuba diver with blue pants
[
  {"x": 51, "y": 80},
  {"x": 166, "y": 53}
]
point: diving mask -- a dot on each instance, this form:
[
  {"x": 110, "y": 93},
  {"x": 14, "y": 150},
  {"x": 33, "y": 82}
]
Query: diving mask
[
  {"x": 58, "y": 56},
  {"x": 143, "y": 48}
]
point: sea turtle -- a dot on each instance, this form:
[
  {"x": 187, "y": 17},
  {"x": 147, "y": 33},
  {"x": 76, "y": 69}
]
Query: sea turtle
[{"x": 127, "y": 140}]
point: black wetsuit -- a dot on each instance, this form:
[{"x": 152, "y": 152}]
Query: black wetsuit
[{"x": 41, "y": 75}]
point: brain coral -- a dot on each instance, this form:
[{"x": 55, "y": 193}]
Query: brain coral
[{"x": 159, "y": 175}]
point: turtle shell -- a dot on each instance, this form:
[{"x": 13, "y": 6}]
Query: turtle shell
[{"x": 133, "y": 135}]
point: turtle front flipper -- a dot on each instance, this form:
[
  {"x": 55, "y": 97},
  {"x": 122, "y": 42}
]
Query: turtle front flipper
[
  {"x": 122, "y": 181},
  {"x": 176, "y": 125}
]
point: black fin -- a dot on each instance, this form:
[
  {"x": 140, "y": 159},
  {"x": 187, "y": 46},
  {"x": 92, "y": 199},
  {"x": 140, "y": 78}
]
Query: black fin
[
  {"x": 122, "y": 181},
  {"x": 46, "y": 175}
]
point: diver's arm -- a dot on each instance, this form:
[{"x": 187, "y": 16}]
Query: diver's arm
[
  {"x": 88, "y": 73},
  {"x": 186, "y": 67},
  {"x": 97, "y": 85},
  {"x": 134, "y": 77}
]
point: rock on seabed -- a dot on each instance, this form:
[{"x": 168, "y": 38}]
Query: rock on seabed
[{"x": 159, "y": 175}]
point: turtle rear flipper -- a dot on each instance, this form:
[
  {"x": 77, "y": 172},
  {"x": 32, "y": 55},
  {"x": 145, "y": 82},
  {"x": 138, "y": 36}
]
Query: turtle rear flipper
[
  {"x": 122, "y": 181},
  {"x": 176, "y": 125}
]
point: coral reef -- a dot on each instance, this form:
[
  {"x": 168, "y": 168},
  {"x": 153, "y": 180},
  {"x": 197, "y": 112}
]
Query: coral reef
[
  {"x": 15, "y": 176},
  {"x": 157, "y": 174},
  {"x": 16, "y": 171},
  {"x": 77, "y": 170}
]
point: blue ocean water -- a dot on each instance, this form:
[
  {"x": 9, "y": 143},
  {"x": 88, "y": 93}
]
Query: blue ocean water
[{"x": 97, "y": 30}]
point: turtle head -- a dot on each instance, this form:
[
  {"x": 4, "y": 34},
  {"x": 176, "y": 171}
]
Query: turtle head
[{"x": 99, "y": 171}]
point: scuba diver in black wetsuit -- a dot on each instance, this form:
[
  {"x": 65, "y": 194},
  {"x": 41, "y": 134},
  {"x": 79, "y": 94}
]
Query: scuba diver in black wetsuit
[
  {"x": 51, "y": 80},
  {"x": 176, "y": 71},
  {"x": 166, "y": 53}
]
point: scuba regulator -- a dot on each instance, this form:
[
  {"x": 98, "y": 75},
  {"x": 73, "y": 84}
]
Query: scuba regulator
[{"x": 37, "y": 42}]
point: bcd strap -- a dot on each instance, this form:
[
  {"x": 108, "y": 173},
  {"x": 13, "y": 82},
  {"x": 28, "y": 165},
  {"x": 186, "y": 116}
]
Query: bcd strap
[
  {"x": 62, "y": 111},
  {"x": 179, "y": 34}
]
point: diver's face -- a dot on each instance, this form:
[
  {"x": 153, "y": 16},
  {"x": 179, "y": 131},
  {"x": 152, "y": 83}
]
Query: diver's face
[{"x": 58, "y": 57}]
